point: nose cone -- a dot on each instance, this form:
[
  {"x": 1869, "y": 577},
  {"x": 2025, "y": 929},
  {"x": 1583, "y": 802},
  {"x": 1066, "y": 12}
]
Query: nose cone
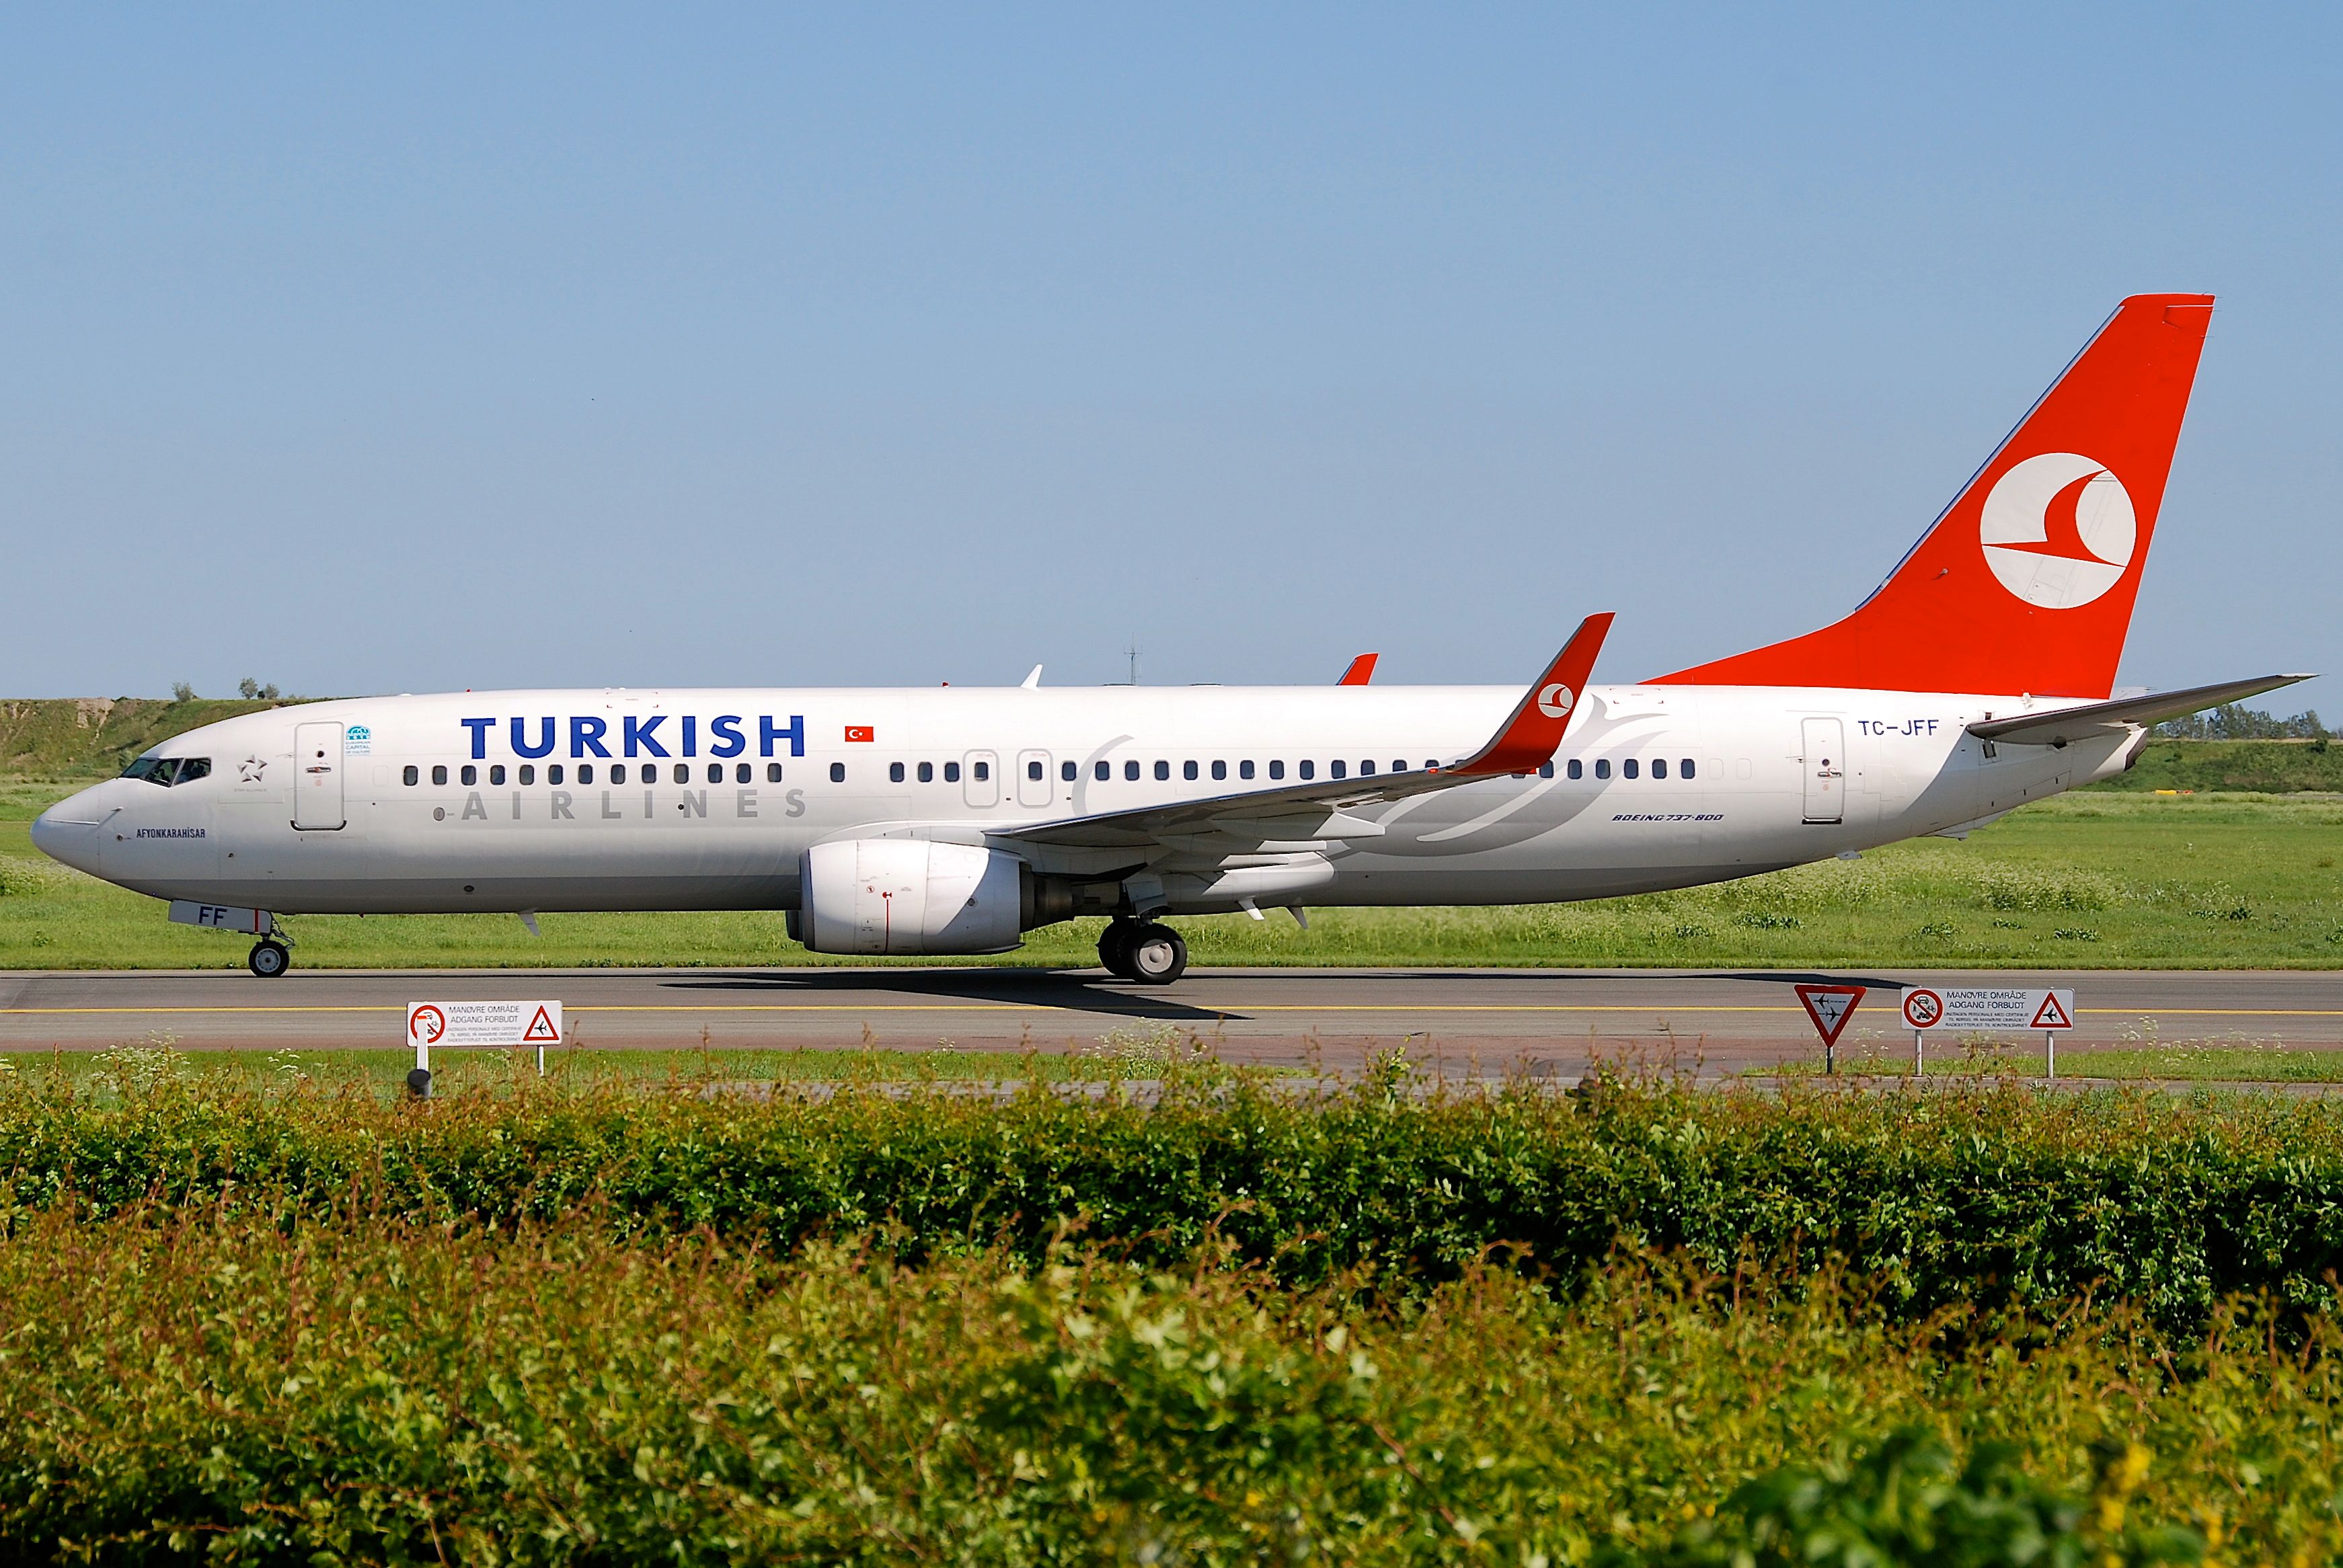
[{"x": 68, "y": 830}]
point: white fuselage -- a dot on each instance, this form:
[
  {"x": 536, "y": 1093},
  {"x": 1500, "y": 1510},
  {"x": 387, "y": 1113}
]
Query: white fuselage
[{"x": 705, "y": 799}]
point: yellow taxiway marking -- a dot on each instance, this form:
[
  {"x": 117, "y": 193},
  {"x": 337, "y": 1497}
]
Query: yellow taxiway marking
[{"x": 1053, "y": 1007}]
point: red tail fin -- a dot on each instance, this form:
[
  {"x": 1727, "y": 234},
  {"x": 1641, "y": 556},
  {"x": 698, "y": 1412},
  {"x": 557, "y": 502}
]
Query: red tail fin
[{"x": 2026, "y": 582}]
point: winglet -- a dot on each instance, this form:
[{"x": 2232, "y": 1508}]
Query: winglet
[
  {"x": 1528, "y": 740},
  {"x": 1361, "y": 670}
]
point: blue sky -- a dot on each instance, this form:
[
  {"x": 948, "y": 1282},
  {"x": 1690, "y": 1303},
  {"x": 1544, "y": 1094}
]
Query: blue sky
[{"x": 409, "y": 348}]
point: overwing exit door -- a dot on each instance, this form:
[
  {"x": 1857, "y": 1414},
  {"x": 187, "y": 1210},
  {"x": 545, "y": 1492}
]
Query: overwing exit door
[
  {"x": 1825, "y": 765},
  {"x": 317, "y": 777}
]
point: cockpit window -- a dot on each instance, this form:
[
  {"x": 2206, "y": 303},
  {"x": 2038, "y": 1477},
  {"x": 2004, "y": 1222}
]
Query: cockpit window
[{"x": 169, "y": 771}]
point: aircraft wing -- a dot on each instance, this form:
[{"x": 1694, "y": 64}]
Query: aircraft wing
[
  {"x": 2101, "y": 719},
  {"x": 1320, "y": 808}
]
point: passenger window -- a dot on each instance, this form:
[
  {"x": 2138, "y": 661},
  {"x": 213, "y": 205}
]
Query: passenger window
[
  {"x": 894, "y": 772},
  {"x": 1334, "y": 769},
  {"x": 528, "y": 773},
  {"x": 927, "y": 772},
  {"x": 1578, "y": 769},
  {"x": 1277, "y": 770},
  {"x": 837, "y": 773},
  {"x": 470, "y": 775},
  {"x": 1103, "y": 771},
  {"x": 1187, "y": 770},
  {"x": 716, "y": 772},
  {"x": 742, "y": 773},
  {"x": 1069, "y": 771},
  {"x": 982, "y": 770},
  {"x": 1628, "y": 768},
  {"x": 584, "y": 773},
  {"x": 411, "y": 774},
  {"x": 1032, "y": 770},
  {"x": 683, "y": 773},
  {"x": 497, "y": 773},
  {"x": 553, "y": 773},
  {"x": 192, "y": 768},
  {"x": 618, "y": 773},
  {"x": 1603, "y": 768},
  {"x": 772, "y": 773},
  {"x": 1308, "y": 769},
  {"x": 1162, "y": 770},
  {"x": 1659, "y": 767},
  {"x": 1131, "y": 770},
  {"x": 1431, "y": 763},
  {"x": 1684, "y": 768},
  {"x": 1220, "y": 769},
  {"x": 1399, "y": 764},
  {"x": 1244, "y": 768},
  {"x": 1366, "y": 768},
  {"x": 1545, "y": 769},
  {"x": 952, "y": 773},
  {"x": 439, "y": 774}
]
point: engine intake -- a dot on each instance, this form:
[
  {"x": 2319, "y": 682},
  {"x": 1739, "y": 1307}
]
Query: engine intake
[{"x": 910, "y": 896}]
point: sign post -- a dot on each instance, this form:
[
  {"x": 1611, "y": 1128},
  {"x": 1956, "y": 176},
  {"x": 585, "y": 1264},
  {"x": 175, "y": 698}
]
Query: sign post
[
  {"x": 477, "y": 1023},
  {"x": 1830, "y": 1006},
  {"x": 2012, "y": 1011}
]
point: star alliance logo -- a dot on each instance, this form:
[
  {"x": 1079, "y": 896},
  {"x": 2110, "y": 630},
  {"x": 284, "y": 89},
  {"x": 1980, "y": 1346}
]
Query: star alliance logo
[{"x": 250, "y": 768}]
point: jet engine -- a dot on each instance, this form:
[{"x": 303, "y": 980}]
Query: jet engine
[{"x": 910, "y": 896}]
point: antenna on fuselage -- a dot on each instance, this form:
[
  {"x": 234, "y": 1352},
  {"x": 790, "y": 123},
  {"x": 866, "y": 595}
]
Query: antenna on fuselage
[{"x": 1132, "y": 653}]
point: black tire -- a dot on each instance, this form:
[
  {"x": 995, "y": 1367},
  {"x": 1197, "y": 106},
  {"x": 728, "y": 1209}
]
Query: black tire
[
  {"x": 1156, "y": 954},
  {"x": 268, "y": 960},
  {"x": 1114, "y": 949}
]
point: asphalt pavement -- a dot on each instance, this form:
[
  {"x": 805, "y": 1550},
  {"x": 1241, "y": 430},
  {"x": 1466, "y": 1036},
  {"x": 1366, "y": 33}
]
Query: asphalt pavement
[{"x": 1713, "y": 1021}]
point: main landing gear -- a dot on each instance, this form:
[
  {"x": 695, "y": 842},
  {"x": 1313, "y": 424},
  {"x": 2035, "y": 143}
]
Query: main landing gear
[
  {"x": 269, "y": 958},
  {"x": 1142, "y": 951}
]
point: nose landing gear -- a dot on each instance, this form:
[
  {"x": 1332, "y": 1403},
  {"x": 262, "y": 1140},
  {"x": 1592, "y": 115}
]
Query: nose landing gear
[
  {"x": 1146, "y": 951},
  {"x": 269, "y": 959}
]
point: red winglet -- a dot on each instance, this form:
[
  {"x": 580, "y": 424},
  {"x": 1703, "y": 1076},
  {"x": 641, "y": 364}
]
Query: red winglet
[
  {"x": 1361, "y": 670},
  {"x": 1528, "y": 739}
]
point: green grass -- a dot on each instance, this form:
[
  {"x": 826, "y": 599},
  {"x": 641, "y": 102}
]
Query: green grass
[
  {"x": 1119, "y": 1056},
  {"x": 2265, "y": 766},
  {"x": 84, "y": 738},
  {"x": 2087, "y": 880}
]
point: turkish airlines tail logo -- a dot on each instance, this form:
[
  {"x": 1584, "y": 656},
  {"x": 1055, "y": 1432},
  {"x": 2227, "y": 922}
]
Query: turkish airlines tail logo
[
  {"x": 2026, "y": 582},
  {"x": 2059, "y": 531}
]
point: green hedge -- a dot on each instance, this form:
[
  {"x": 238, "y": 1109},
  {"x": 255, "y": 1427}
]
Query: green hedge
[
  {"x": 1987, "y": 1194},
  {"x": 186, "y": 1388}
]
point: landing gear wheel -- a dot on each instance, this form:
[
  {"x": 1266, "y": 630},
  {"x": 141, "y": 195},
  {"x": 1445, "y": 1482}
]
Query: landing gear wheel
[
  {"x": 1156, "y": 954},
  {"x": 269, "y": 958},
  {"x": 1115, "y": 949}
]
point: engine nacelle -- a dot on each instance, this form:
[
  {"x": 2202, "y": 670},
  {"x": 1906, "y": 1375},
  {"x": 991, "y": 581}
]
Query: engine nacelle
[{"x": 909, "y": 896}]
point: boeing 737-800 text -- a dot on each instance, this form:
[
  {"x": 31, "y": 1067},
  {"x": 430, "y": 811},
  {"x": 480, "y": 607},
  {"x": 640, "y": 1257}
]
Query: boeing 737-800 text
[{"x": 954, "y": 820}]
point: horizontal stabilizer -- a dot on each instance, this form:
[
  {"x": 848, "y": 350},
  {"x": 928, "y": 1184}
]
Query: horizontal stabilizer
[{"x": 2101, "y": 719}]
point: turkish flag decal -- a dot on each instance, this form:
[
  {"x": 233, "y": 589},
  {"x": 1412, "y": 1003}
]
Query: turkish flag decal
[{"x": 860, "y": 732}]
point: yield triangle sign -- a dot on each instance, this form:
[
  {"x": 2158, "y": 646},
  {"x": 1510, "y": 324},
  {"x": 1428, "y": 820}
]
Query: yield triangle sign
[
  {"x": 1830, "y": 1006},
  {"x": 541, "y": 1028},
  {"x": 2050, "y": 1015}
]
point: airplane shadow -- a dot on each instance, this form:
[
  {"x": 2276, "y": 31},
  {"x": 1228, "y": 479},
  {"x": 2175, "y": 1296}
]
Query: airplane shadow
[{"x": 1014, "y": 988}]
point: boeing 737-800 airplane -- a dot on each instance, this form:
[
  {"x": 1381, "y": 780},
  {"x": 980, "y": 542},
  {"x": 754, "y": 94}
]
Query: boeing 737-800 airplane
[{"x": 954, "y": 820}]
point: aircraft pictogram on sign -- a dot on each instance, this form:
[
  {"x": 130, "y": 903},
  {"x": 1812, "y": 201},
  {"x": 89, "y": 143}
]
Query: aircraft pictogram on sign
[
  {"x": 2050, "y": 1015},
  {"x": 540, "y": 1029},
  {"x": 1830, "y": 1006}
]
